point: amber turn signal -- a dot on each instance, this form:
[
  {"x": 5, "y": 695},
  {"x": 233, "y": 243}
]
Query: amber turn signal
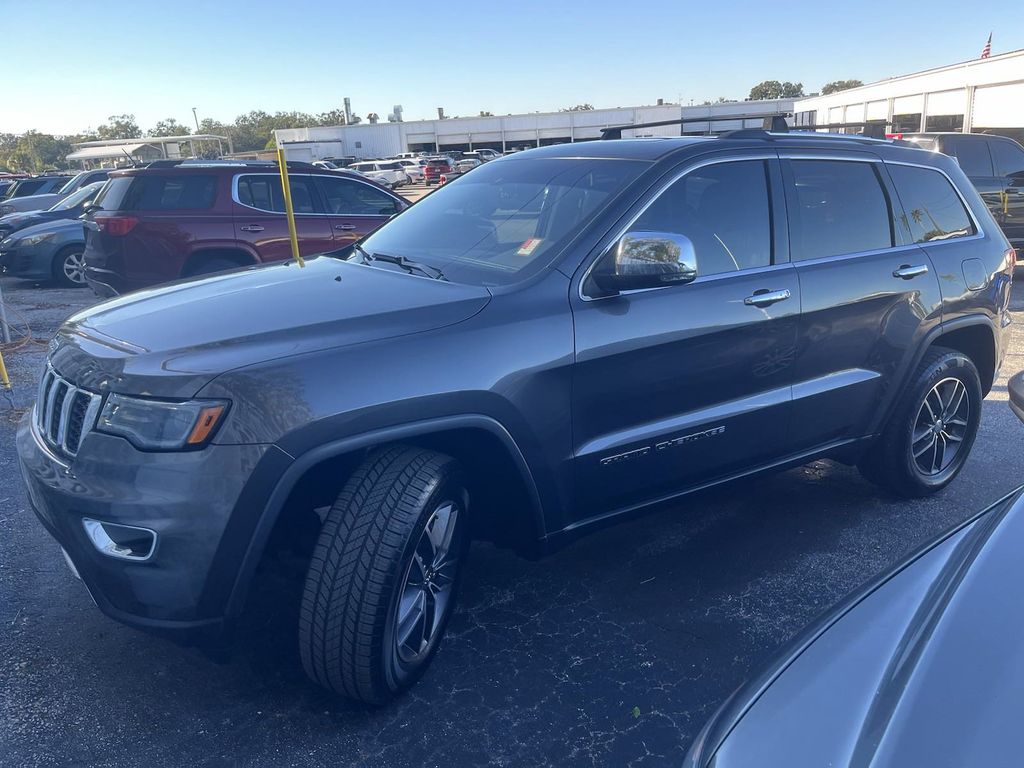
[{"x": 205, "y": 424}]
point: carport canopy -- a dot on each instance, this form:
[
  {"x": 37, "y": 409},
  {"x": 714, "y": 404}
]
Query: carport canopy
[{"x": 101, "y": 153}]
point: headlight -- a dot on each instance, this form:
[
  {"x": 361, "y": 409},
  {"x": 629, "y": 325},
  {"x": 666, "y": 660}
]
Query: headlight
[
  {"x": 36, "y": 239},
  {"x": 155, "y": 425}
]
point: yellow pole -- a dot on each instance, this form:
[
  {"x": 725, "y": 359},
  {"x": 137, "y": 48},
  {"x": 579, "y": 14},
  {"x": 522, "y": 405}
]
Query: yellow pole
[
  {"x": 288, "y": 210},
  {"x": 4, "y": 378}
]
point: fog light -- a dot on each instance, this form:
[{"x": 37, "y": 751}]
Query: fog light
[{"x": 125, "y": 542}]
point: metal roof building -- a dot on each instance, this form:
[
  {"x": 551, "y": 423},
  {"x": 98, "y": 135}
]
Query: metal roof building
[
  {"x": 365, "y": 140},
  {"x": 981, "y": 96},
  {"x": 141, "y": 150}
]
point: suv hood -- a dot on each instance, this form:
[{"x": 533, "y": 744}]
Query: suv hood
[{"x": 172, "y": 340}]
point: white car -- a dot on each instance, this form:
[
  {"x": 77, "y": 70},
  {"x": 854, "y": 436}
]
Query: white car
[
  {"x": 390, "y": 173},
  {"x": 485, "y": 154},
  {"x": 413, "y": 168}
]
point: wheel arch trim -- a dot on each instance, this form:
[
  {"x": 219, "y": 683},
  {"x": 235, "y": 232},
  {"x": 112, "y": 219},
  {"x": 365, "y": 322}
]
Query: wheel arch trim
[
  {"x": 927, "y": 342},
  {"x": 304, "y": 462}
]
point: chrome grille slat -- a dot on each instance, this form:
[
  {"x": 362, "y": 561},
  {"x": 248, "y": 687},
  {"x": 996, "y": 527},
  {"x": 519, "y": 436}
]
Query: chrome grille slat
[{"x": 58, "y": 408}]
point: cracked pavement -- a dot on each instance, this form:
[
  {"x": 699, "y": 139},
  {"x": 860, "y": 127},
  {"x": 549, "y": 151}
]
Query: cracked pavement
[{"x": 613, "y": 651}]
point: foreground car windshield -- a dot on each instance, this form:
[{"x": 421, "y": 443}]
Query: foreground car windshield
[{"x": 504, "y": 220}]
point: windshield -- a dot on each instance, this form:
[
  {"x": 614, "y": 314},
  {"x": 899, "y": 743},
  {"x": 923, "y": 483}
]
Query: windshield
[
  {"x": 504, "y": 220},
  {"x": 72, "y": 183},
  {"x": 79, "y": 197}
]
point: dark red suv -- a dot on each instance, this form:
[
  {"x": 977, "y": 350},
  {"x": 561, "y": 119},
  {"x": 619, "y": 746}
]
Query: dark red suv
[
  {"x": 152, "y": 225},
  {"x": 433, "y": 169}
]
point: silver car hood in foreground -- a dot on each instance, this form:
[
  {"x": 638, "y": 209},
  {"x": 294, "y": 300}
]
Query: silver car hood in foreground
[{"x": 923, "y": 668}]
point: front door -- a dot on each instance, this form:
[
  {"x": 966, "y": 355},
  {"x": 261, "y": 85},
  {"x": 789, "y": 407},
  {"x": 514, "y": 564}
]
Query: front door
[
  {"x": 675, "y": 387},
  {"x": 260, "y": 218}
]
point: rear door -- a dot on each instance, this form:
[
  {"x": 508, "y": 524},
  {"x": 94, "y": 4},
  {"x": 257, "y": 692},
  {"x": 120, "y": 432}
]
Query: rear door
[
  {"x": 260, "y": 220},
  {"x": 674, "y": 387},
  {"x": 1008, "y": 157},
  {"x": 356, "y": 208},
  {"x": 869, "y": 294}
]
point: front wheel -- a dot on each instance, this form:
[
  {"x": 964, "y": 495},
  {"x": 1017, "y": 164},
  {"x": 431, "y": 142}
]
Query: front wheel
[
  {"x": 931, "y": 432},
  {"x": 69, "y": 267},
  {"x": 384, "y": 575}
]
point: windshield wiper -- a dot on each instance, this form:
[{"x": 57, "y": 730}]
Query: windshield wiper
[{"x": 408, "y": 265}]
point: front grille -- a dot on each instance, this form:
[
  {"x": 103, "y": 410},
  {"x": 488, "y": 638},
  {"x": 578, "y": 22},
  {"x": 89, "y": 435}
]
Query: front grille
[{"x": 64, "y": 413}]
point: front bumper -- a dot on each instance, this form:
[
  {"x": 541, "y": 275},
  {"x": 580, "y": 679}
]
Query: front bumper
[
  {"x": 188, "y": 499},
  {"x": 29, "y": 262}
]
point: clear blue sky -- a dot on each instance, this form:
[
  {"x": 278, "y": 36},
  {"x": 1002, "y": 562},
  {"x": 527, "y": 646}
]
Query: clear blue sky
[{"x": 69, "y": 65}]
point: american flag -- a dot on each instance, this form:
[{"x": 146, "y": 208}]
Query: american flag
[{"x": 987, "y": 50}]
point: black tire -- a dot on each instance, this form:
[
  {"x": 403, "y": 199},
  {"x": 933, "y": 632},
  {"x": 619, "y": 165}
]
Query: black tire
[
  {"x": 211, "y": 266},
  {"x": 939, "y": 438},
  {"x": 68, "y": 268},
  {"x": 369, "y": 548}
]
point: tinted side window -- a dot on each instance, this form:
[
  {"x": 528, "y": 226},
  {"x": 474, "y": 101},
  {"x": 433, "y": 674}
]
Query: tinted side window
[
  {"x": 934, "y": 211},
  {"x": 972, "y": 154},
  {"x": 840, "y": 207},
  {"x": 171, "y": 193},
  {"x": 724, "y": 209},
  {"x": 353, "y": 198},
  {"x": 264, "y": 192},
  {"x": 1008, "y": 156}
]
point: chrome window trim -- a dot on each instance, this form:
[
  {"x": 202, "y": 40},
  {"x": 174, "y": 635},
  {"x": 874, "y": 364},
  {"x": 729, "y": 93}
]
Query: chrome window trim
[
  {"x": 793, "y": 155},
  {"x": 234, "y": 195},
  {"x": 716, "y": 160}
]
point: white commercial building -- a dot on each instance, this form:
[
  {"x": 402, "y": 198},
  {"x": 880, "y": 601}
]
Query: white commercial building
[
  {"x": 980, "y": 96},
  {"x": 365, "y": 140}
]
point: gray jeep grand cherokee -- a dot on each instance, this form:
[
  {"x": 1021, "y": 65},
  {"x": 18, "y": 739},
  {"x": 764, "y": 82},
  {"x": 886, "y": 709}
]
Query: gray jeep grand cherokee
[{"x": 555, "y": 340}]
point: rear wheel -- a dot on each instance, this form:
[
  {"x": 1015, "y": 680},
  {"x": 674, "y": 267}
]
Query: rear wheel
[
  {"x": 931, "y": 432},
  {"x": 69, "y": 266},
  {"x": 384, "y": 575}
]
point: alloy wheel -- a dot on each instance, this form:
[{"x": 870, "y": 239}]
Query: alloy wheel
[
  {"x": 74, "y": 267},
  {"x": 941, "y": 426},
  {"x": 424, "y": 597}
]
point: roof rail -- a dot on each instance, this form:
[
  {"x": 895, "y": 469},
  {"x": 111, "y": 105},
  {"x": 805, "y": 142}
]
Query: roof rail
[
  {"x": 873, "y": 129},
  {"x": 773, "y": 121}
]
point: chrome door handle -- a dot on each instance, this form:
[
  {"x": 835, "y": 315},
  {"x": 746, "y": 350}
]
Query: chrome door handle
[
  {"x": 345, "y": 227},
  {"x": 766, "y": 298},
  {"x": 251, "y": 228},
  {"x": 907, "y": 272}
]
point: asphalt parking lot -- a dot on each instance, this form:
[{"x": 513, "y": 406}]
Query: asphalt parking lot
[{"x": 611, "y": 652}]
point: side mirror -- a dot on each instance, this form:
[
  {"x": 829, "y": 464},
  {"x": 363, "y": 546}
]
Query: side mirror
[
  {"x": 646, "y": 260},
  {"x": 90, "y": 208}
]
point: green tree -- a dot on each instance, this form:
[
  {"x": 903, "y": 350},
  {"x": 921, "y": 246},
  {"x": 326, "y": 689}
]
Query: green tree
[
  {"x": 773, "y": 89},
  {"x": 578, "y": 108},
  {"x": 119, "y": 127},
  {"x": 33, "y": 152},
  {"x": 839, "y": 85},
  {"x": 169, "y": 127}
]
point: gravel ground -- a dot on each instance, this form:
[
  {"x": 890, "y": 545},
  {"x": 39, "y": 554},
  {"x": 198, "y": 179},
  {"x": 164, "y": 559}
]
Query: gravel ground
[{"x": 611, "y": 652}]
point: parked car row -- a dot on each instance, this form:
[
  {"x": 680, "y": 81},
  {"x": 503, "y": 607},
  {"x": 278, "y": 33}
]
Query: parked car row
[{"x": 48, "y": 244}]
